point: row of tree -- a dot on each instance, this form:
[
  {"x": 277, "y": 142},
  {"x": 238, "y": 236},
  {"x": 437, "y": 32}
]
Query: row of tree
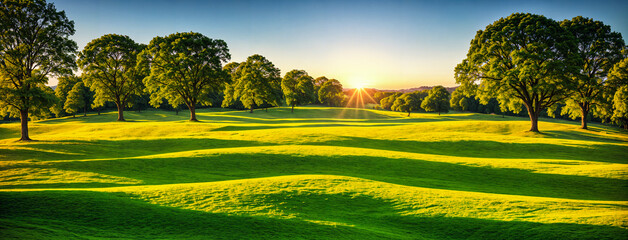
[
  {"x": 433, "y": 100},
  {"x": 181, "y": 69},
  {"x": 530, "y": 60}
]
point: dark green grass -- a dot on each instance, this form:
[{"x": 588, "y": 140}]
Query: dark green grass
[
  {"x": 400, "y": 171},
  {"x": 94, "y": 215}
]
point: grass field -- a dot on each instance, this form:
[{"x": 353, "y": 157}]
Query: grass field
[{"x": 318, "y": 173}]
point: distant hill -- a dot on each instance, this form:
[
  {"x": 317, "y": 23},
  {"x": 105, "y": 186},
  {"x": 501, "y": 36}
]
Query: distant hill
[{"x": 421, "y": 88}]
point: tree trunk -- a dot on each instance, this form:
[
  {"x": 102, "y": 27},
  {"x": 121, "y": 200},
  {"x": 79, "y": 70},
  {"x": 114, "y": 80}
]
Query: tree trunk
[
  {"x": 534, "y": 119},
  {"x": 193, "y": 113},
  {"x": 85, "y": 110},
  {"x": 292, "y": 109},
  {"x": 73, "y": 115},
  {"x": 266, "y": 109},
  {"x": 585, "y": 111},
  {"x": 251, "y": 109},
  {"x": 120, "y": 112},
  {"x": 24, "y": 120},
  {"x": 409, "y": 113},
  {"x": 176, "y": 111}
]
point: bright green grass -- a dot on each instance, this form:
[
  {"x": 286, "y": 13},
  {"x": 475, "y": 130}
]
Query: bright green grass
[{"x": 318, "y": 173}]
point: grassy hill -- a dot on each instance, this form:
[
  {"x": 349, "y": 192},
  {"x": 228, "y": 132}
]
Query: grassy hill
[{"x": 318, "y": 173}]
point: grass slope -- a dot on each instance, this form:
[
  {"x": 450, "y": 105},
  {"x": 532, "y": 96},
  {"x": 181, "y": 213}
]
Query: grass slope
[{"x": 318, "y": 173}]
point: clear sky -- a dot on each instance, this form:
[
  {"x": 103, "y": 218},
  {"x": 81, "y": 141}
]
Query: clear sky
[{"x": 381, "y": 44}]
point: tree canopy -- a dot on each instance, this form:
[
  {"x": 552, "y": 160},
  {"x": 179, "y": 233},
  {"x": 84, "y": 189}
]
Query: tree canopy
[
  {"x": 109, "y": 66},
  {"x": 409, "y": 102},
  {"x": 254, "y": 82},
  {"x": 598, "y": 49},
  {"x": 298, "y": 88},
  {"x": 76, "y": 99},
  {"x": 618, "y": 78},
  {"x": 64, "y": 86},
  {"x": 185, "y": 68},
  {"x": 34, "y": 44},
  {"x": 437, "y": 100},
  {"x": 387, "y": 102},
  {"x": 330, "y": 93},
  {"x": 521, "y": 59}
]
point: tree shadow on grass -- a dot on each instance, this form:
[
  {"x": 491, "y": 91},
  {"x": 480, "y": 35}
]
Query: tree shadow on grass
[
  {"x": 610, "y": 153},
  {"x": 78, "y": 214},
  {"x": 408, "y": 172},
  {"x": 102, "y": 215},
  {"x": 77, "y": 150}
]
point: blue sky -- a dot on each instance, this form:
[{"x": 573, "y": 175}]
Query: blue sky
[{"x": 381, "y": 44}]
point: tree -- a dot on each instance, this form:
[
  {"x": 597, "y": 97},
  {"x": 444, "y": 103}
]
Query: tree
[
  {"x": 185, "y": 68},
  {"x": 34, "y": 44},
  {"x": 378, "y": 96},
  {"x": 598, "y": 49},
  {"x": 76, "y": 100},
  {"x": 387, "y": 102},
  {"x": 254, "y": 83},
  {"x": 109, "y": 69},
  {"x": 618, "y": 77},
  {"x": 437, "y": 100},
  {"x": 459, "y": 101},
  {"x": 331, "y": 93},
  {"x": 64, "y": 86},
  {"x": 522, "y": 59},
  {"x": 318, "y": 82},
  {"x": 408, "y": 102},
  {"x": 298, "y": 88},
  {"x": 620, "y": 106}
]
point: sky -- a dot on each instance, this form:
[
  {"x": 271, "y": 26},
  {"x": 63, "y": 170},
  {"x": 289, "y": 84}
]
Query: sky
[{"x": 377, "y": 44}]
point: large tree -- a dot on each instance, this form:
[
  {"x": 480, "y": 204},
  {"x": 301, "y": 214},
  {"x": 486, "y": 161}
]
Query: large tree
[
  {"x": 254, "y": 82},
  {"x": 599, "y": 49},
  {"x": 298, "y": 88},
  {"x": 185, "y": 68},
  {"x": 330, "y": 93},
  {"x": 34, "y": 44},
  {"x": 521, "y": 59},
  {"x": 109, "y": 66},
  {"x": 437, "y": 100}
]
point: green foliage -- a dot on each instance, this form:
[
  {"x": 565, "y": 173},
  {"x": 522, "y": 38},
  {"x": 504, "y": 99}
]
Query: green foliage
[
  {"x": 437, "y": 100},
  {"x": 34, "y": 43},
  {"x": 598, "y": 49},
  {"x": 318, "y": 82},
  {"x": 253, "y": 83},
  {"x": 109, "y": 66},
  {"x": 64, "y": 85},
  {"x": 522, "y": 59},
  {"x": 75, "y": 99},
  {"x": 618, "y": 77},
  {"x": 378, "y": 96},
  {"x": 330, "y": 93},
  {"x": 459, "y": 101},
  {"x": 185, "y": 68},
  {"x": 620, "y": 104},
  {"x": 387, "y": 102},
  {"x": 409, "y": 102},
  {"x": 298, "y": 88}
]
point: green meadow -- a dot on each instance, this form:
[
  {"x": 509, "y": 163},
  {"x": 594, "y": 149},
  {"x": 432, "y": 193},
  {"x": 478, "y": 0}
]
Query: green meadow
[{"x": 319, "y": 173}]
